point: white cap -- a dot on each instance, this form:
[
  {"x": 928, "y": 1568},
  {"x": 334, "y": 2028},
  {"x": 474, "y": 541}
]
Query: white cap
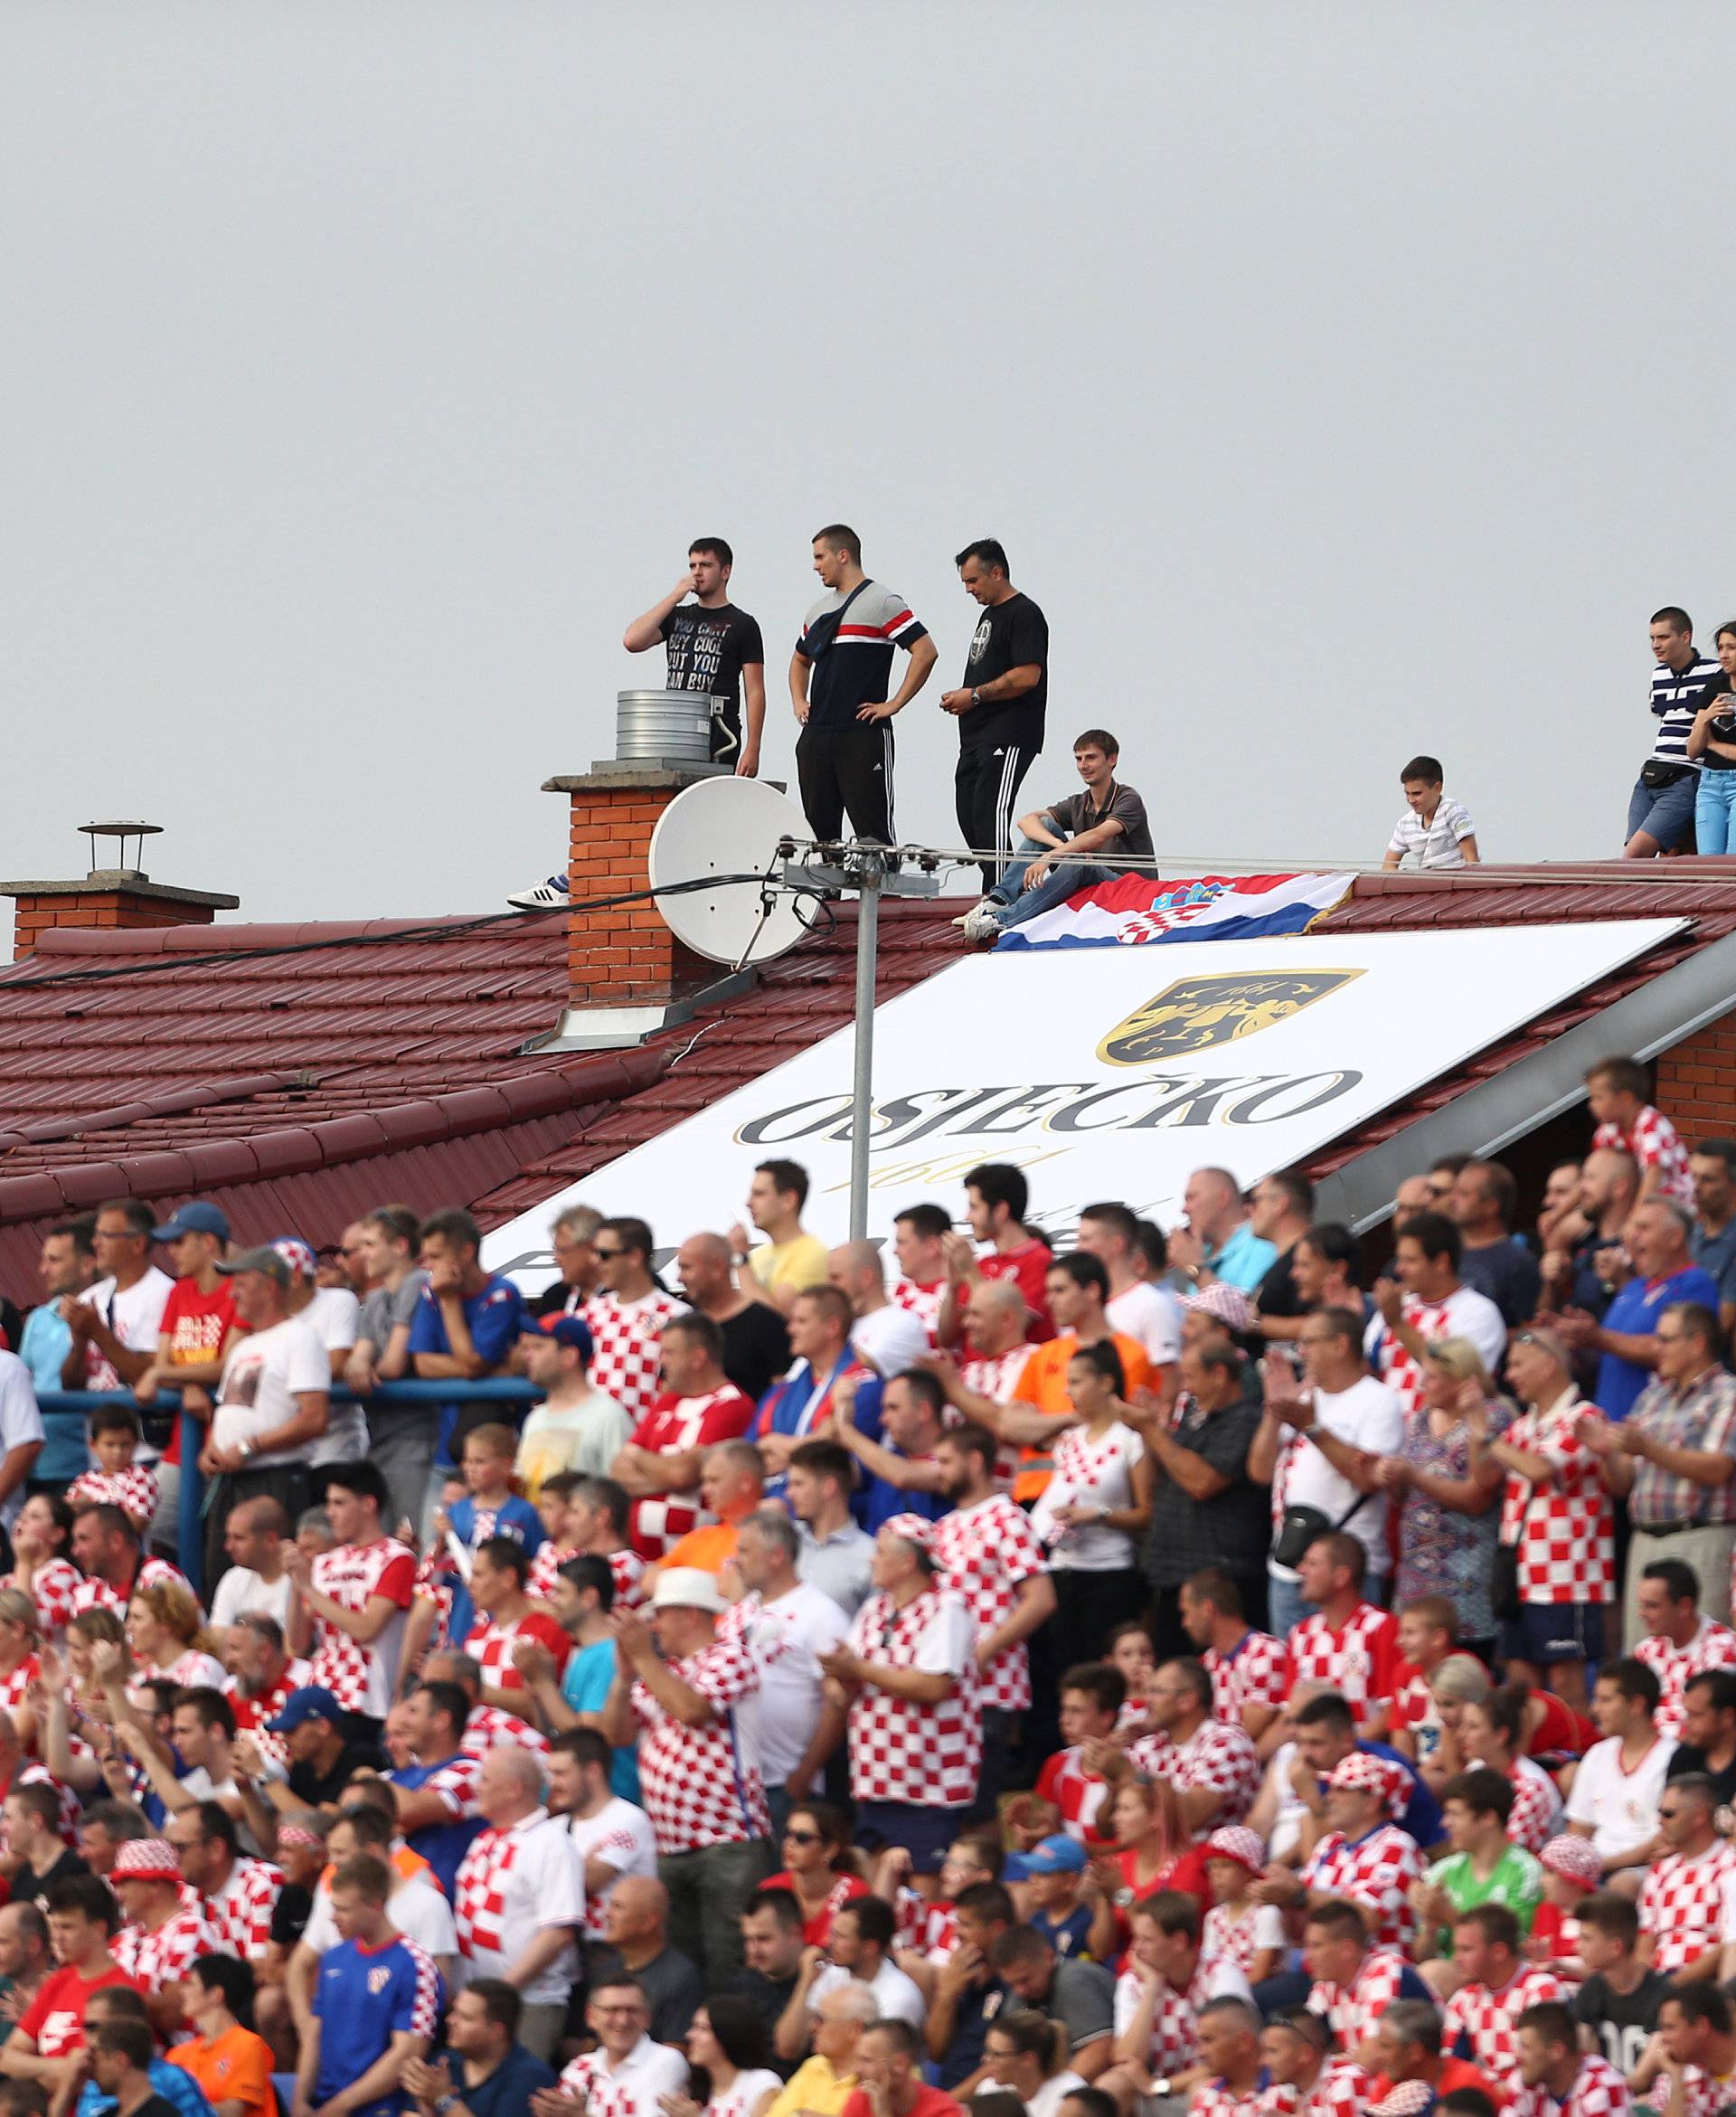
[{"x": 687, "y": 1587}]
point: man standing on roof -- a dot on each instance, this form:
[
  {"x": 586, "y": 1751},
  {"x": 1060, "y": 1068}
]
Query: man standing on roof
[
  {"x": 711, "y": 648},
  {"x": 1100, "y": 832},
  {"x": 838, "y": 679},
  {"x": 1660, "y": 809},
  {"x": 1000, "y": 707}
]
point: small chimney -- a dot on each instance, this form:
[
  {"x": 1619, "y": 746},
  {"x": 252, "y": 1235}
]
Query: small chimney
[
  {"x": 626, "y": 974},
  {"x": 108, "y": 897}
]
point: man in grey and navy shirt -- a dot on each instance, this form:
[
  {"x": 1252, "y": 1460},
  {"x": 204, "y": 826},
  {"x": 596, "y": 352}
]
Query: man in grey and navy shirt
[
  {"x": 1660, "y": 811},
  {"x": 840, "y": 678}
]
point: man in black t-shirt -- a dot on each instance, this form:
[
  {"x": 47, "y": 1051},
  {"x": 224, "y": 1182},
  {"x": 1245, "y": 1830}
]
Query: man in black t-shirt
[
  {"x": 1619, "y": 1999},
  {"x": 1707, "y": 1742},
  {"x": 1000, "y": 707},
  {"x": 711, "y": 647}
]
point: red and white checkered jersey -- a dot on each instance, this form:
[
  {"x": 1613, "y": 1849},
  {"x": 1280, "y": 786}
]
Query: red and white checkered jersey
[
  {"x": 620, "y": 1835},
  {"x": 1598, "y": 2090},
  {"x": 675, "y": 1425},
  {"x": 1712, "y": 1646},
  {"x": 1568, "y": 1552},
  {"x": 1343, "y": 2090},
  {"x": 1064, "y": 1781},
  {"x": 435, "y": 1585},
  {"x": 635, "y": 2088},
  {"x": 924, "y": 1303},
  {"x": 492, "y": 1727},
  {"x": 1377, "y": 1873},
  {"x": 1537, "y": 1813},
  {"x": 1217, "y": 2099},
  {"x": 167, "y": 1956},
  {"x": 986, "y": 1553},
  {"x": 626, "y": 1565},
  {"x": 1256, "y": 1671},
  {"x": 1654, "y": 1143},
  {"x": 629, "y": 1339},
  {"x": 1487, "y": 2022},
  {"x": 490, "y": 1645},
  {"x": 12, "y": 1687},
  {"x": 702, "y": 1785},
  {"x": 55, "y": 1584},
  {"x": 1360, "y": 1661},
  {"x": 1392, "y": 1363},
  {"x": 362, "y": 1679},
  {"x": 1233, "y": 1934},
  {"x": 512, "y": 1884},
  {"x": 251, "y": 1713},
  {"x": 1413, "y": 1700},
  {"x": 901, "y": 1750},
  {"x": 1217, "y": 1754},
  {"x": 458, "y": 1782},
  {"x": 133, "y": 1491},
  {"x": 995, "y": 1375},
  {"x": 240, "y": 1913},
  {"x": 1702, "y": 2095},
  {"x": 1688, "y": 1906},
  {"x": 1175, "y": 2043},
  {"x": 92, "y": 1594},
  {"x": 1352, "y": 2010}
]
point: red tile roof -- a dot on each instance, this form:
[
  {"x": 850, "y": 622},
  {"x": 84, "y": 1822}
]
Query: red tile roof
[{"x": 299, "y": 1074}]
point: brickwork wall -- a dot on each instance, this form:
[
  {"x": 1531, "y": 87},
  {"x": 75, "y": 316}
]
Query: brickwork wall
[
  {"x": 106, "y": 908},
  {"x": 1697, "y": 1082},
  {"x": 626, "y": 956}
]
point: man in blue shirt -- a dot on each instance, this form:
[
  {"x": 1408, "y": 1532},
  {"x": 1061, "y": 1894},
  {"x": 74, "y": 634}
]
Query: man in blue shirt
[
  {"x": 1657, "y": 1240},
  {"x": 466, "y": 1327},
  {"x": 493, "y": 2075},
  {"x": 376, "y": 2002},
  {"x": 436, "y": 1795},
  {"x": 68, "y": 1266},
  {"x": 1219, "y": 1242},
  {"x": 174, "y": 2083}
]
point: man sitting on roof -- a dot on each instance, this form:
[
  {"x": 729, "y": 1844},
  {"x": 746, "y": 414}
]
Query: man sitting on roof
[{"x": 1106, "y": 818}]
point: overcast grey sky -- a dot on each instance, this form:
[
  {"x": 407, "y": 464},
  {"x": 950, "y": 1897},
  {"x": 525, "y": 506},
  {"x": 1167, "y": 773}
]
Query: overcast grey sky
[{"x": 1343, "y": 381}]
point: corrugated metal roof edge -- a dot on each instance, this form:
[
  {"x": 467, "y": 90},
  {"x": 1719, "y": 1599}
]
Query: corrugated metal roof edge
[{"x": 596, "y": 1077}]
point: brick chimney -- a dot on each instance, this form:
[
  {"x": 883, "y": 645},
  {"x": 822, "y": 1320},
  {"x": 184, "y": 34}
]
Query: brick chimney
[
  {"x": 108, "y": 897},
  {"x": 626, "y": 974}
]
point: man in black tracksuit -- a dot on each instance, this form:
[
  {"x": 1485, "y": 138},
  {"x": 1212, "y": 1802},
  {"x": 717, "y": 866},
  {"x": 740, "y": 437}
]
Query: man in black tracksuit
[{"x": 1000, "y": 706}]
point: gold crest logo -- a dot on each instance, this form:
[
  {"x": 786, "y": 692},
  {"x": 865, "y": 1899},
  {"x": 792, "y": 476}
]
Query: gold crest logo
[{"x": 1195, "y": 1014}]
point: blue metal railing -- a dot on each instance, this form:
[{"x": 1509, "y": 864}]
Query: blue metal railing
[{"x": 191, "y": 1536}]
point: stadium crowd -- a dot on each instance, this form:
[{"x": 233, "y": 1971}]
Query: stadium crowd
[{"x": 1173, "y": 1671}]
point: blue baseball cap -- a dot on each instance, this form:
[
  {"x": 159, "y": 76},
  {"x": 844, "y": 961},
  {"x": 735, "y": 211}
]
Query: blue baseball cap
[
  {"x": 565, "y": 1331},
  {"x": 1059, "y": 1855},
  {"x": 194, "y": 1218},
  {"x": 313, "y": 1701}
]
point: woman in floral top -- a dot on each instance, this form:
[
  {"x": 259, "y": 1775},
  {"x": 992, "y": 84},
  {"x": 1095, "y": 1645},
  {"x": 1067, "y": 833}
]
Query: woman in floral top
[{"x": 1449, "y": 1519}]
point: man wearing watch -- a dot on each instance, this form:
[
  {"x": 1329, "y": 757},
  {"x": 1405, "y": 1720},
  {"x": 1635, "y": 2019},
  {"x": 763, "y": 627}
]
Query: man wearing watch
[
  {"x": 1000, "y": 708},
  {"x": 495, "y": 2075}
]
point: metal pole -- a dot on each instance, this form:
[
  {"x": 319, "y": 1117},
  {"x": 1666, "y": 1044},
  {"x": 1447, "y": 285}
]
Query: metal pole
[{"x": 863, "y": 1086}]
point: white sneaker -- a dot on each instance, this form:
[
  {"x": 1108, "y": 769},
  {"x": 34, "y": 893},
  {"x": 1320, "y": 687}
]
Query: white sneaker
[
  {"x": 982, "y": 923},
  {"x": 965, "y": 917},
  {"x": 553, "y": 895}
]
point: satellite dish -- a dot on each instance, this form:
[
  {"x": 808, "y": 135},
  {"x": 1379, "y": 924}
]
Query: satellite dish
[{"x": 727, "y": 827}]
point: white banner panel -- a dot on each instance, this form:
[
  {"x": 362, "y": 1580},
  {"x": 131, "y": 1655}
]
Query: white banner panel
[{"x": 1104, "y": 1073}]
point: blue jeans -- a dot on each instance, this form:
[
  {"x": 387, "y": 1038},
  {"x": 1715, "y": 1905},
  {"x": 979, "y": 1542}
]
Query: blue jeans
[
  {"x": 1714, "y": 812},
  {"x": 1014, "y": 903},
  {"x": 1285, "y": 1603}
]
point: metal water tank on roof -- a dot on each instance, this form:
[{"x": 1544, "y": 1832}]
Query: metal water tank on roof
[{"x": 671, "y": 726}]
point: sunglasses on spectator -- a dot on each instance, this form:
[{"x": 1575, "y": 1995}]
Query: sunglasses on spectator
[{"x": 801, "y": 1837}]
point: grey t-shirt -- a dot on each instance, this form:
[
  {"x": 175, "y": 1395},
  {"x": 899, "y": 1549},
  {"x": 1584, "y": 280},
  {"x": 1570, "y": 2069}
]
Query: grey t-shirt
[
  {"x": 1077, "y": 814},
  {"x": 1083, "y": 2000},
  {"x": 381, "y": 1312}
]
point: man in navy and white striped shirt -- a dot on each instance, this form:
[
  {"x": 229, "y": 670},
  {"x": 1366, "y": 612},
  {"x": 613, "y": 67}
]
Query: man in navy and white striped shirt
[{"x": 1660, "y": 811}]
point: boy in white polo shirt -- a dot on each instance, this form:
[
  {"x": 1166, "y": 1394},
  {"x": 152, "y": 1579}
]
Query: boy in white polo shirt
[{"x": 1435, "y": 830}]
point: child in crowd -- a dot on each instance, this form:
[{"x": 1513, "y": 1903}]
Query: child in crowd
[
  {"x": 1051, "y": 1878},
  {"x": 1425, "y": 1641},
  {"x": 489, "y": 1507},
  {"x": 1572, "y": 1873},
  {"x": 117, "y": 1480},
  {"x": 1617, "y": 1094},
  {"x": 1238, "y": 1930},
  {"x": 1435, "y": 830},
  {"x": 555, "y": 1511},
  {"x": 1133, "y": 1652}
]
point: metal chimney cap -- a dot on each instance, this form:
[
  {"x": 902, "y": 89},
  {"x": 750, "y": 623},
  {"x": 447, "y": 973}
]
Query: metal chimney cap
[{"x": 123, "y": 831}]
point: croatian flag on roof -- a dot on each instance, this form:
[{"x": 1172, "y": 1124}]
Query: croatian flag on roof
[{"x": 1139, "y": 908}]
